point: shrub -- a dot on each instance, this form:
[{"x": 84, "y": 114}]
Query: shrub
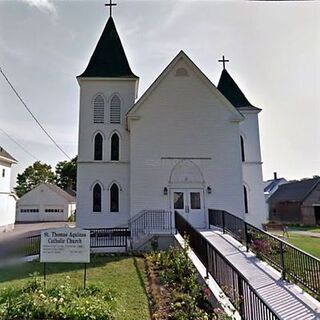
[{"x": 32, "y": 302}]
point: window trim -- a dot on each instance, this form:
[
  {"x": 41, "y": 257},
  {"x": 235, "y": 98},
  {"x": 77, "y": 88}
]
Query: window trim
[
  {"x": 245, "y": 199},
  {"x": 94, "y": 146},
  {"x": 101, "y": 197},
  {"x": 119, "y": 189},
  {"x": 115, "y": 95},
  {"x": 110, "y": 146},
  {"x": 93, "y": 108},
  {"x": 242, "y": 148}
]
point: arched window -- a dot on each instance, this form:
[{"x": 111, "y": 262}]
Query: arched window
[
  {"x": 115, "y": 147},
  {"x": 114, "y": 198},
  {"x": 245, "y": 199},
  {"x": 98, "y": 146},
  {"x": 115, "y": 110},
  {"x": 98, "y": 109},
  {"x": 97, "y": 197},
  {"x": 243, "y": 155}
]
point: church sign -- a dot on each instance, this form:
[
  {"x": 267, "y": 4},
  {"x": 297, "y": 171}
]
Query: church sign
[{"x": 65, "y": 245}]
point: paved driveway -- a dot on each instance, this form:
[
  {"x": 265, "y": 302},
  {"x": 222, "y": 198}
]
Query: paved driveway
[{"x": 28, "y": 229}]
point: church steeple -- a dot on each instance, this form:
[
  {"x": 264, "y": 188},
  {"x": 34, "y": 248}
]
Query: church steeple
[
  {"x": 228, "y": 87},
  {"x": 109, "y": 59}
]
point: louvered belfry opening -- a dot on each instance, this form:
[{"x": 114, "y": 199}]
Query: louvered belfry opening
[
  {"x": 115, "y": 110},
  {"x": 98, "y": 109}
]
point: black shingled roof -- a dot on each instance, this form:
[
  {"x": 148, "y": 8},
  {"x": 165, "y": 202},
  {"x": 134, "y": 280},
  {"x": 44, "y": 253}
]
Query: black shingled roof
[
  {"x": 228, "y": 87},
  {"x": 294, "y": 191},
  {"x": 108, "y": 58}
]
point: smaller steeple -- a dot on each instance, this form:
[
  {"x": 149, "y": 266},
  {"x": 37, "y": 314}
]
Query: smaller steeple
[
  {"x": 228, "y": 87},
  {"x": 109, "y": 59}
]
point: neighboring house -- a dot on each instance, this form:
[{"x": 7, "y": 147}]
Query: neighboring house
[
  {"x": 7, "y": 198},
  {"x": 185, "y": 145},
  {"x": 271, "y": 186},
  {"x": 296, "y": 202},
  {"x": 45, "y": 202}
]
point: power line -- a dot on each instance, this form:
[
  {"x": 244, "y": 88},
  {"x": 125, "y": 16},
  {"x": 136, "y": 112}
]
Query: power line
[
  {"x": 19, "y": 145},
  {"x": 33, "y": 116}
]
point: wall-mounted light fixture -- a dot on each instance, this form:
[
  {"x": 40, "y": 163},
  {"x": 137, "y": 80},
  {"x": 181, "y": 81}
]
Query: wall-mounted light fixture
[
  {"x": 165, "y": 191},
  {"x": 209, "y": 190}
]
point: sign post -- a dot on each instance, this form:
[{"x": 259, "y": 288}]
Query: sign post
[{"x": 65, "y": 245}]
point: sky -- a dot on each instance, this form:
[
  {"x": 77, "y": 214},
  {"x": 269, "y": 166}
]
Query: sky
[{"x": 273, "y": 48}]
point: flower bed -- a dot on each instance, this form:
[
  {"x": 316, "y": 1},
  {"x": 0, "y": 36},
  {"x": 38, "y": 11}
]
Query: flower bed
[
  {"x": 174, "y": 289},
  {"x": 31, "y": 302}
]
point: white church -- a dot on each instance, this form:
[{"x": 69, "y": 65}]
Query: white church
[{"x": 185, "y": 145}]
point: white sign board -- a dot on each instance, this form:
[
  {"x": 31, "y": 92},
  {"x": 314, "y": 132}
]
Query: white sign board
[{"x": 65, "y": 245}]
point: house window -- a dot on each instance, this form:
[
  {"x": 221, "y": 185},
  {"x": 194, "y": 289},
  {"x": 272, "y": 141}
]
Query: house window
[
  {"x": 30, "y": 210},
  {"x": 3, "y": 173},
  {"x": 98, "y": 146},
  {"x": 51, "y": 210},
  {"x": 98, "y": 109},
  {"x": 245, "y": 198},
  {"x": 115, "y": 147},
  {"x": 243, "y": 156},
  {"x": 115, "y": 110},
  {"x": 97, "y": 197},
  {"x": 114, "y": 198}
]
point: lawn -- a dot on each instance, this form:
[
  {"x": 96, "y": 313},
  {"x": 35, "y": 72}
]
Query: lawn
[
  {"x": 124, "y": 275},
  {"x": 306, "y": 243}
]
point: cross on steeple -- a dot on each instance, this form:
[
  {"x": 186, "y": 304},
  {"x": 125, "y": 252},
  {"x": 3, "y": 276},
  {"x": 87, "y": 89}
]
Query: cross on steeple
[
  {"x": 223, "y": 60},
  {"x": 110, "y": 5}
]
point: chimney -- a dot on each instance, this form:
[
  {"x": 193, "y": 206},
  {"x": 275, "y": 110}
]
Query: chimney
[{"x": 275, "y": 176}]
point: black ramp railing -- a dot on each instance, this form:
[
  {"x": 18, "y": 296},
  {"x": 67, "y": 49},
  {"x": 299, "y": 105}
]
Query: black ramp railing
[
  {"x": 294, "y": 264},
  {"x": 237, "y": 288}
]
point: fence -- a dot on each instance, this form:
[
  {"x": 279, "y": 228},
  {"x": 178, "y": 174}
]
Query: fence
[
  {"x": 234, "y": 284},
  {"x": 109, "y": 237},
  {"x": 29, "y": 246},
  {"x": 150, "y": 222},
  {"x": 21, "y": 247},
  {"x": 294, "y": 264}
]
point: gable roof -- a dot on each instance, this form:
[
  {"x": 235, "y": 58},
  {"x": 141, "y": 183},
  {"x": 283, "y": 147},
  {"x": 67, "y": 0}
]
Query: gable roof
[
  {"x": 4, "y": 155},
  {"x": 272, "y": 184},
  {"x": 54, "y": 188},
  {"x": 108, "y": 58},
  {"x": 60, "y": 192},
  {"x": 182, "y": 55},
  {"x": 294, "y": 191},
  {"x": 228, "y": 87}
]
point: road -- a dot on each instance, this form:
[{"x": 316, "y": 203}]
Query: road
[{"x": 29, "y": 229}]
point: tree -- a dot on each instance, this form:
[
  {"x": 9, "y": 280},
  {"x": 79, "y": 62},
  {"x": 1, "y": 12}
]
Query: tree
[
  {"x": 66, "y": 174},
  {"x": 32, "y": 176}
]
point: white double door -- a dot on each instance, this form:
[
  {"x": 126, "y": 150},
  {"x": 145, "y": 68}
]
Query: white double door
[{"x": 190, "y": 204}]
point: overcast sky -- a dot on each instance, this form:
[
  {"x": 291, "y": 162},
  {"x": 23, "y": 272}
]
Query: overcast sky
[{"x": 273, "y": 47}]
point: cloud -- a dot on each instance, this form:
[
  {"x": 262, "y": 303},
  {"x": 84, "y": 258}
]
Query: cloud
[{"x": 43, "y": 5}]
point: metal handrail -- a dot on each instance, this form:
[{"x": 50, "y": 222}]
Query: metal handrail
[
  {"x": 245, "y": 298},
  {"x": 288, "y": 259},
  {"x": 149, "y": 222}
]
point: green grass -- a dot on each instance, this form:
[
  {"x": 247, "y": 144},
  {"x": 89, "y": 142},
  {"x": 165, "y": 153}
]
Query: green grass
[
  {"x": 124, "y": 275},
  {"x": 304, "y": 228},
  {"x": 306, "y": 243}
]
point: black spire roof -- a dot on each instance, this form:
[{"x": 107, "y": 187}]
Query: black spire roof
[
  {"x": 108, "y": 58},
  {"x": 231, "y": 91}
]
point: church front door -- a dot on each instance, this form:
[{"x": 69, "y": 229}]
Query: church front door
[{"x": 189, "y": 203}]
